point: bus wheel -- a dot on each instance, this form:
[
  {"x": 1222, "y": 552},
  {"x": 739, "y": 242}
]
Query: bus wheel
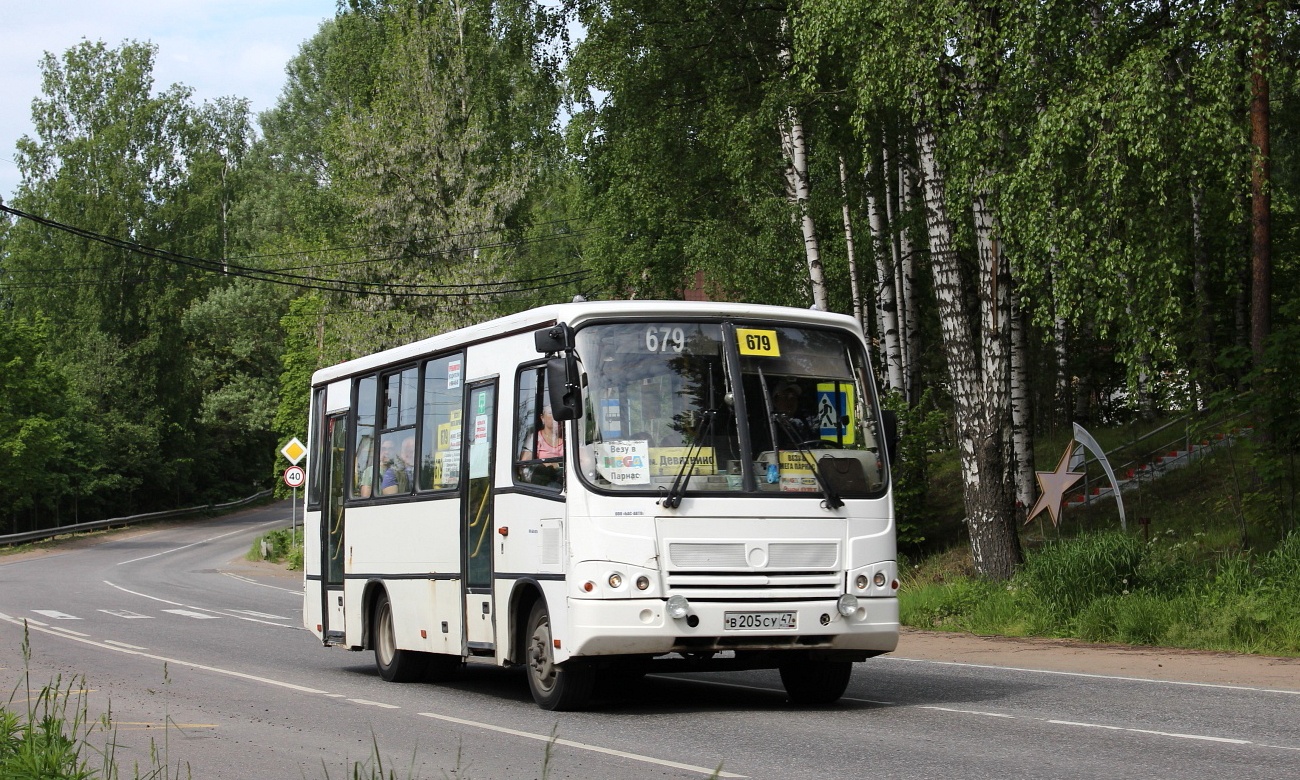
[
  {"x": 554, "y": 687},
  {"x": 815, "y": 682},
  {"x": 394, "y": 665}
]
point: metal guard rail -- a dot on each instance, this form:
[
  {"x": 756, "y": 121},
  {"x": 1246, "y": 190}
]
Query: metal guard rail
[{"x": 95, "y": 525}]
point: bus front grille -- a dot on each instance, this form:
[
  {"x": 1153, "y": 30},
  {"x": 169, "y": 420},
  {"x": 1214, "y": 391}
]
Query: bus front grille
[{"x": 769, "y": 586}]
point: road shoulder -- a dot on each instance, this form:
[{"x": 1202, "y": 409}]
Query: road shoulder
[{"x": 1063, "y": 655}]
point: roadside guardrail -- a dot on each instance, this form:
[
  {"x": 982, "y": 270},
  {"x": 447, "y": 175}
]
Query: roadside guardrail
[{"x": 95, "y": 525}]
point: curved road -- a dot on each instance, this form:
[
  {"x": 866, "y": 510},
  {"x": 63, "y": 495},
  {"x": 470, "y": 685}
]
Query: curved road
[{"x": 202, "y": 656}]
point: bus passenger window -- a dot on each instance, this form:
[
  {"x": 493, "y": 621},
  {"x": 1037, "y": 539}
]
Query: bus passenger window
[
  {"x": 540, "y": 453},
  {"x": 440, "y": 430}
]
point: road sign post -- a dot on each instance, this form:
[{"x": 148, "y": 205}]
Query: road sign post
[{"x": 293, "y": 452}]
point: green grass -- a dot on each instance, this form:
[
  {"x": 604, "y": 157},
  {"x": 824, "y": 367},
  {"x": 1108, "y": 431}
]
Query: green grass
[
  {"x": 1217, "y": 566},
  {"x": 281, "y": 546}
]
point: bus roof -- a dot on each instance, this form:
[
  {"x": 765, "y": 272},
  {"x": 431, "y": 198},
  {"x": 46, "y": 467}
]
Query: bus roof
[{"x": 575, "y": 314}]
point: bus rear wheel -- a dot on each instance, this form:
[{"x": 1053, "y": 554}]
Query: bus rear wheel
[
  {"x": 554, "y": 686},
  {"x": 815, "y": 682},
  {"x": 394, "y": 665}
]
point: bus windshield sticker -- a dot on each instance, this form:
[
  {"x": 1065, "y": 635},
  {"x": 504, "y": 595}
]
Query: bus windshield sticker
[
  {"x": 753, "y": 341},
  {"x": 797, "y": 473},
  {"x": 453, "y": 374},
  {"x": 624, "y": 462},
  {"x": 667, "y": 461}
]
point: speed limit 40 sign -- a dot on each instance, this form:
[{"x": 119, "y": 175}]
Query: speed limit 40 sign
[{"x": 294, "y": 476}]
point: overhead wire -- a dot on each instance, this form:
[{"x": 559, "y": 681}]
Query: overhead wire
[{"x": 326, "y": 284}]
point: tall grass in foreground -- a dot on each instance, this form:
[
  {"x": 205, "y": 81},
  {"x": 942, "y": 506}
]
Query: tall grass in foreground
[
  {"x": 49, "y": 734},
  {"x": 1113, "y": 587}
]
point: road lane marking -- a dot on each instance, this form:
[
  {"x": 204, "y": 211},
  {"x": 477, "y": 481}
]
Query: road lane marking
[
  {"x": 117, "y": 648},
  {"x": 266, "y": 615},
  {"x": 969, "y": 712},
  {"x": 1103, "y": 726},
  {"x": 189, "y": 613},
  {"x": 1220, "y": 686},
  {"x": 202, "y": 609},
  {"x": 196, "y": 544},
  {"x": 582, "y": 746},
  {"x": 251, "y": 581},
  {"x": 61, "y": 629},
  {"x": 55, "y": 614},
  {"x": 116, "y": 643},
  {"x": 127, "y": 614},
  {"x": 380, "y": 704},
  {"x": 1155, "y": 733}
]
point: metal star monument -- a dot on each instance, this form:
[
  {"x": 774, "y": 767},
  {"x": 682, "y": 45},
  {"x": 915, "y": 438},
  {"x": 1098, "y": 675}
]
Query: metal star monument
[{"x": 1053, "y": 485}]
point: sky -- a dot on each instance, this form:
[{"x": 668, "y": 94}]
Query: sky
[{"x": 216, "y": 47}]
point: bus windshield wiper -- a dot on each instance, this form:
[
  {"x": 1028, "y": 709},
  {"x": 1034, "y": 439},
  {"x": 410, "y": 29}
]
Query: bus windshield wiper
[
  {"x": 833, "y": 500},
  {"x": 687, "y": 470}
]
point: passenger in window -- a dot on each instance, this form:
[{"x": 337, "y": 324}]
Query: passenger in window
[
  {"x": 361, "y": 479},
  {"x": 547, "y": 443},
  {"x": 406, "y": 480},
  {"x": 389, "y": 467}
]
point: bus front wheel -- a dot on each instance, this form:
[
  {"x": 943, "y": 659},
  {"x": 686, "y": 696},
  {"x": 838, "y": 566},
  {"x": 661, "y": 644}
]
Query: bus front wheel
[
  {"x": 394, "y": 665},
  {"x": 815, "y": 682},
  {"x": 554, "y": 686}
]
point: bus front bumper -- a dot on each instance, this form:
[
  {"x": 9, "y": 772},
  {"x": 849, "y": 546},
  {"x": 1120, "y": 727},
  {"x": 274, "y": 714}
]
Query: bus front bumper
[{"x": 643, "y": 627}]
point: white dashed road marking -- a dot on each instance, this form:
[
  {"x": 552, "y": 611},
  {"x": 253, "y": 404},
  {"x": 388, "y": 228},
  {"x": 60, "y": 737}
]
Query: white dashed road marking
[
  {"x": 192, "y": 614},
  {"x": 55, "y": 614}
]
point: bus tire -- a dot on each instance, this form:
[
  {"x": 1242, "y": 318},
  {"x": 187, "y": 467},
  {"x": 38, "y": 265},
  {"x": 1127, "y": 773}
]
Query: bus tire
[
  {"x": 557, "y": 687},
  {"x": 394, "y": 665},
  {"x": 815, "y": 682}
]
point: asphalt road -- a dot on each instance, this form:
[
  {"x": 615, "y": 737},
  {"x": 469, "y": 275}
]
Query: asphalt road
[{"x": 203, "y": 658}]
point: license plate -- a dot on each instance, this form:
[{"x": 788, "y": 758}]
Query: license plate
[{"x": 758, "y": 621}]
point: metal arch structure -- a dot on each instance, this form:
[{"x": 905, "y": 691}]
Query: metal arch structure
[{"x": 1085, "y": 438}]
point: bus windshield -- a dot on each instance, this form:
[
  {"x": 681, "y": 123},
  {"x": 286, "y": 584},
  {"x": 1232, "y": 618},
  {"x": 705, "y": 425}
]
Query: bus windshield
[{"x": 663, "y": 408}]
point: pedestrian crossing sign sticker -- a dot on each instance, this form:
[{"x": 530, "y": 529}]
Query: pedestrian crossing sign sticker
[{"x": 835, "y": 412}]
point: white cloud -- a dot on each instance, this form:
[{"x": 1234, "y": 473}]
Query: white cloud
[{"x": 215, "y": 47}]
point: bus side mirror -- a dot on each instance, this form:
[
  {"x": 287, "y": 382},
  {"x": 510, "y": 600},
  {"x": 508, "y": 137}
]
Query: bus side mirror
[
  {"x": 557, "y": 338},
  {"x": 889, "y": 419},
  {"x": 562, "y": 385}
]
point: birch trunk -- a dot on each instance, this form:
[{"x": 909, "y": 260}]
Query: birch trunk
[
  {"x": 888, "y": 179},
  {"x": 1060, "y": 350},
  {"x": 1022, "y": 423},
  {"x": 978, "y": 381},
  {"x": 886, "y": 303},
  {"x": 855, "y": 289},
  {"x": 798, "y": 188},
  {"x": 911, "y": 316}
]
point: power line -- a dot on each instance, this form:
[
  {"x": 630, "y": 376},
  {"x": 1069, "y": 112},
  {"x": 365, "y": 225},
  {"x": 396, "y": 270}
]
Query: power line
[{"x": 298, "y": 280}]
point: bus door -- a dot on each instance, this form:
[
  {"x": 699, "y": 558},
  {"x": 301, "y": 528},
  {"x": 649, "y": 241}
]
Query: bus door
[
  {"x": 476, "y": 520},
  {"x": 336, "y": 428}
]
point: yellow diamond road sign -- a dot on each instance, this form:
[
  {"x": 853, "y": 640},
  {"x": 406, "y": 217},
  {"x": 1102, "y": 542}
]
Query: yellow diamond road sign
[{"x": 294, "y": 450}]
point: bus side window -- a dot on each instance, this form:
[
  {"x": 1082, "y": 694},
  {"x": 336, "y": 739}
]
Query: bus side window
[
  {"x": 539, "y": 454},
  {"x": 440, "y": 428},
  {"x": 363, "y": 473}
]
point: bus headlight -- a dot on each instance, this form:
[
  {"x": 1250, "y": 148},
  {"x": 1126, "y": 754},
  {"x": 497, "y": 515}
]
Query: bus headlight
[
  {"x": 847, "y": 605},
  {"x": 879, "y": 579},
  {"x": 642, "y": 582},
  {"x": 678, "y": 607},
  {"x": 616, "y": 580}
]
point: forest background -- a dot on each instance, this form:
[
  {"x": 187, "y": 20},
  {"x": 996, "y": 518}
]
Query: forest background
[{"x": 1042, "y": 211}]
